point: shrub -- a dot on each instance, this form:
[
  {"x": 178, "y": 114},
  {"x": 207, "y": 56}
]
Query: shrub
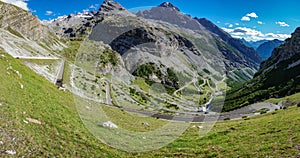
[
  {"x": 284, "y": 108},
  {"x": 109, "y": 56},
  {"x": 244, "y": 117},
  {"x": 263, "y": 112}
]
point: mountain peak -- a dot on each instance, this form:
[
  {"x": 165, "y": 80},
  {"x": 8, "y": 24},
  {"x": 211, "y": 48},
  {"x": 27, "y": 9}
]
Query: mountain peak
[
  {"x": 110, "y": 5},
  {"x": 169, "y": 5}
]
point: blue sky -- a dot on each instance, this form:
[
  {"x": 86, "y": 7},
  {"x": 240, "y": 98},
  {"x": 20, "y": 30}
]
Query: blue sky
[{"x": 250, "y": 19}]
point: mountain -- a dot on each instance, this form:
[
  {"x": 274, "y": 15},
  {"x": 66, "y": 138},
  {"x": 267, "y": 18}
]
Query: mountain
[
  {"x": 174, "y": 50},
  {"x": 158, "y": 46},
  {"x": 253, "y": 44},
  {"x": 277, "y": 77},
  {"x": 251, "y": 56},
  {"x": 265, "y": 50},
  {"x": 238, "y": 57}
]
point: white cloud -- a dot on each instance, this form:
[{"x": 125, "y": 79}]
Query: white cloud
[
  {"x": 237, "y": 24},
  {"x": 20, "y": 3},
  {"x": 254, "y": 35},
  {"x": 248, "y": 16},
  {"x": 230, "y": 25},
  {"x": 48, "y": 12},
  {"x": 245, "y": 18},
  {"x": 218, "y": 22},
  {"x": 283, "y": 24},
  {"x": 252, "y": 15},
  {"x": 260, "y": 22},
  {"x": 228, "y": 30}
]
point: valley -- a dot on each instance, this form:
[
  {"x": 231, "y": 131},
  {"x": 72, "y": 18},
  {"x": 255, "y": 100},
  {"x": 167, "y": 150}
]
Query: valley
[{"x": 152, "y": 83}]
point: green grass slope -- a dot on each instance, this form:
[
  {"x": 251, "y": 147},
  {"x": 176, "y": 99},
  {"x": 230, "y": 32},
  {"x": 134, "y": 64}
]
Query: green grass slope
[{"x": 62, "y": 133}]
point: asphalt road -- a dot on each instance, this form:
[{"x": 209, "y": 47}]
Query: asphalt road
[{"x": 250, "y": 110}]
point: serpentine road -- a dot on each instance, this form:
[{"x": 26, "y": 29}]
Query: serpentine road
[{"x": 247, "y": 111}]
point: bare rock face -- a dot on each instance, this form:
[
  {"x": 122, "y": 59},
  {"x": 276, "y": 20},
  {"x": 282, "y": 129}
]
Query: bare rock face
[
  {"x": 14, "y": 18},
  {"x": 139, "y": 36},
  {"x": 109, "y": 7}
]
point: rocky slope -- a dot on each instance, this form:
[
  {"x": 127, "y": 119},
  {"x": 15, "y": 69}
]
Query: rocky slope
[
  {"x": 21, "y": 21},
  {"x": 206, "y": 43},
  {"x": 25, "y": 26},
  {"x": 265, "y": 50},
  {"x": 240, "y": 60},
  {"x": 24, "y": 36},
  {"x": 277, "y": 77}
]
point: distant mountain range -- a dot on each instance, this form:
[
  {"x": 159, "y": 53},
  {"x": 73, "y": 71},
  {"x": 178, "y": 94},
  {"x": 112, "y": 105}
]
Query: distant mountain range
[
  {"x": 265, "y": 50},
  {"x": 253, "y": 44},
  {"x": 263, "y": 47}
]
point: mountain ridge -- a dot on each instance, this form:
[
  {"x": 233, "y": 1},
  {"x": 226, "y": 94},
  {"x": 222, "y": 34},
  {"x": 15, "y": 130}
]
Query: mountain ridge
[{"x": 247, "y": 51}]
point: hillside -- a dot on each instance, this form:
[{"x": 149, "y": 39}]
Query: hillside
[
  {"x": 62, "y": 133},
  {"x": 278, "y": 76}
]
